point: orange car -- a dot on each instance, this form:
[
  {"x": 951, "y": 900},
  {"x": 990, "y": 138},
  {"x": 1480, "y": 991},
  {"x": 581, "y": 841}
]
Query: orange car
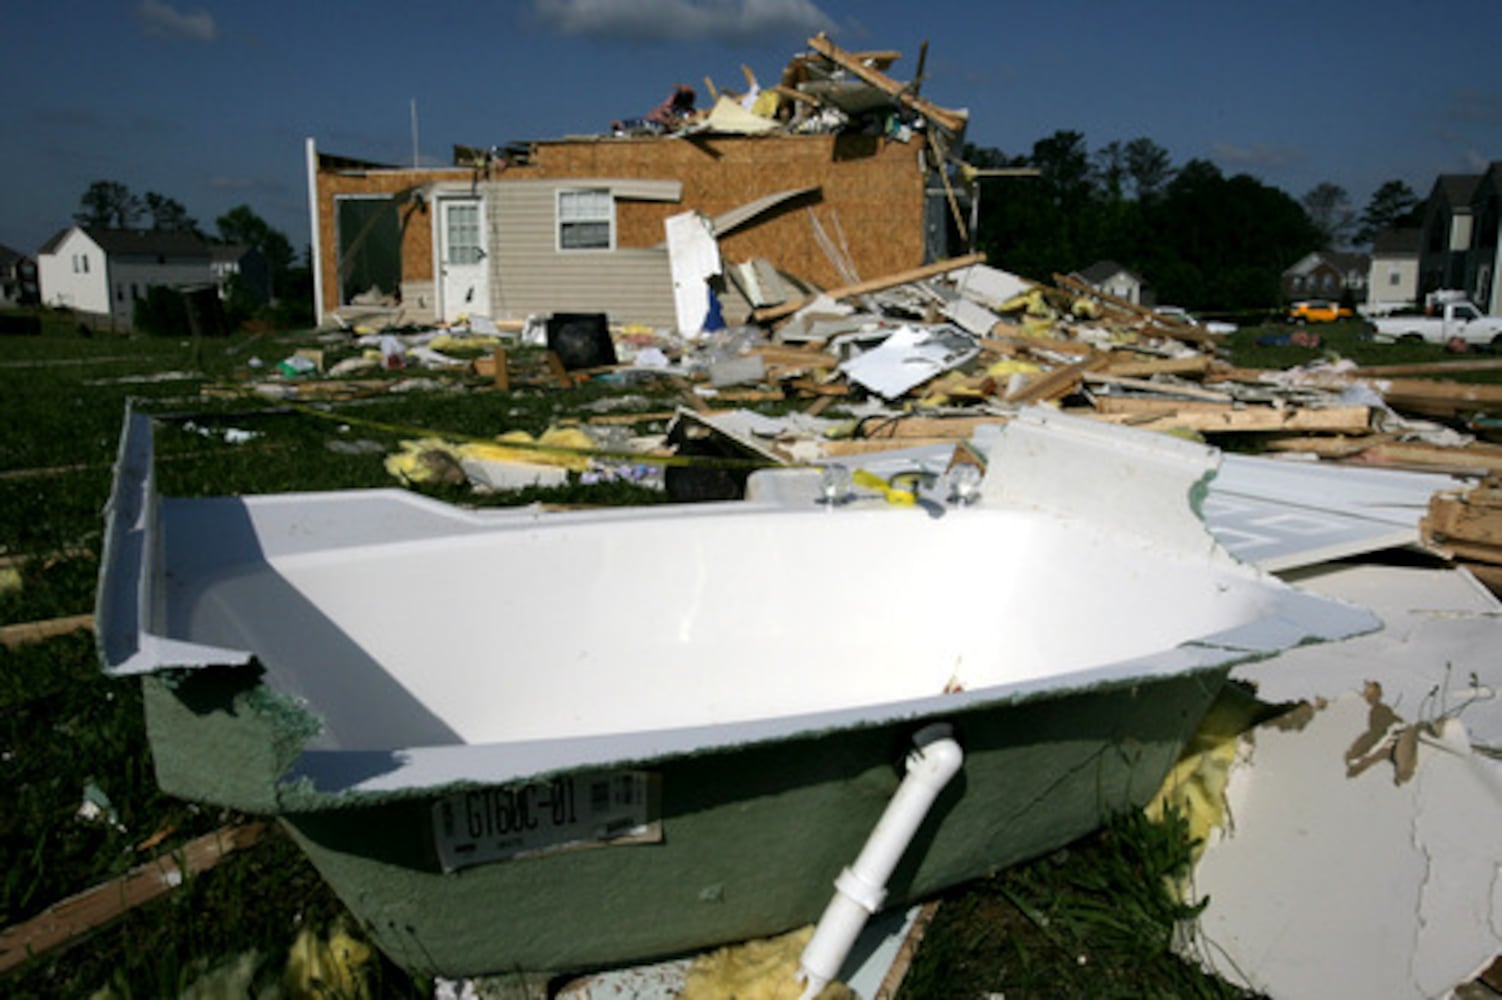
[{"x": 1318, "y": 311}]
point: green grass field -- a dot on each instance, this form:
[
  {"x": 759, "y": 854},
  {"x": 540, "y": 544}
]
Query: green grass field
[{"x": 1091, "y": 921}]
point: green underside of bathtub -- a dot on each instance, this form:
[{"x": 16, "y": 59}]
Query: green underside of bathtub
[{"x": 753, "y": 836}]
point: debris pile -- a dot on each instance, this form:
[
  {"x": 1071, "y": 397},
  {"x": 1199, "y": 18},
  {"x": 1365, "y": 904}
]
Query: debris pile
[{"x": 825, "y": 90}]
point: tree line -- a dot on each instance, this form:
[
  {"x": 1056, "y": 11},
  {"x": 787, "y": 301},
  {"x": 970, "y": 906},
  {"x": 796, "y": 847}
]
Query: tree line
[{"x": 1201, "y": 239}]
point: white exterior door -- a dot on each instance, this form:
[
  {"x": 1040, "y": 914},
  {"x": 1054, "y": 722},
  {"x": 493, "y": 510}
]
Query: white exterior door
[{"x": 463, "y": 260}]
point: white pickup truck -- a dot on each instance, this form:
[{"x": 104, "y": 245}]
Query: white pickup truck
[{"x": 1456, "y": 320}]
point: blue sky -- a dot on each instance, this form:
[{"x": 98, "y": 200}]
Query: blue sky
[{"x": 209, "y": 101}]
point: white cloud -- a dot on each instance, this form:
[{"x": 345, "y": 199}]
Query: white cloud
[
  {"x": 1256, "y": 156},
  {"x": 683, "y": 20},
  {"x": 163, "y": 20}
]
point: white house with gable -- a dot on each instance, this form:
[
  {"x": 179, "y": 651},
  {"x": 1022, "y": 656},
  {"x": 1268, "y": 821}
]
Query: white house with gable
[{"x": 104, "y": 271}]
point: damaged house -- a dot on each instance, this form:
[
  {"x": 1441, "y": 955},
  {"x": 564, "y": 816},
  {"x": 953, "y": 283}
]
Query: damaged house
[{"x": 835, "y": 174}]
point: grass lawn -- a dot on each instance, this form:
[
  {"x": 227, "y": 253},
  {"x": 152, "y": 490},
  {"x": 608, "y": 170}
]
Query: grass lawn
[{"x": 1090, "y": 921}]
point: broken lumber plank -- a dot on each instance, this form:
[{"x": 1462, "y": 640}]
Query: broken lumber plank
[
  {"x": 77, "y": 915},
  {"x": 1456, "y": 517},
  {"x": 1199, "y": 364},
  {"x": 1003, "y": 341},
  {"x": 1264, "y": 419},
  {"x": 613, "y": 419},
  {"x": 22, "y": 633},
  {"x": 1439, "y": 398},
  {"x": 795, "y": 357},
  {"x": 1165, "y": 388},
  {"x": 1471, "y": 458},
  {"x": 816, "y": 388},
  {"x": 874, "y": 285},
  {"x": 1138, "y": 405},
  {"x": 950, "y": 121},
  {"x": 1428, "y": 367},
  {"x": 929, "y": 427},
  {"x": 868, "y": 446},
  {"x": 1056, "y": 384},
  {"x": 1332, "y": 447}
]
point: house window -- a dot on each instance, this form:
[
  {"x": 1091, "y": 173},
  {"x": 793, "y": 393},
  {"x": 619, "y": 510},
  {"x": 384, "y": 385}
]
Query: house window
[
  {"x": 119, "y": 292},
  {"x": 586, "y": 220},
  {"x": 1394, "y": 276},
  {"x": 84, "y": 259}
]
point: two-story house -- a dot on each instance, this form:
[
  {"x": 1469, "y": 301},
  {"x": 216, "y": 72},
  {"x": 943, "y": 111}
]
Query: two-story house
[{"x": 103, "y": 272}]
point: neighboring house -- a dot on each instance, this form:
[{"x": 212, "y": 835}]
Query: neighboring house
[
  {"x": 1328, "y": 274},
  {"x": 1393, "y": 276},
  {"x": 18, "y": 278},
  {"x": 104, "y": 271},
  {"x": 830, "y": 189},
  {"x": 1459, "y": 249},
  {"x": 246, "y": 265},
  {"x": 1113, "y": 279},
  {"x": 1447, "y": 232}
]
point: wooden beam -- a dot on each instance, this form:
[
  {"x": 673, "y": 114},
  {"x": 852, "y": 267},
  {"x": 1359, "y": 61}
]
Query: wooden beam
[
  {"x": 1266, "y": 419},
  {"x": 874, "y": 285},
  {"x": 930, "y": 428},
  {"x": 77, "y": 915},
  {"x": 951, "y": 121},
  {"x": 1429, "y": 368},
  {"x": 1165, "y": 388},
  {"x": 22, "y": 633},
  {"x": 1056, "y": 384},
  {"x": 1130, "y": 367},
  {"x": 1472, "y": 458}
]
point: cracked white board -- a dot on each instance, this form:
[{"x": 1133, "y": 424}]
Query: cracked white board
[{"x": 1333, "y": 884}]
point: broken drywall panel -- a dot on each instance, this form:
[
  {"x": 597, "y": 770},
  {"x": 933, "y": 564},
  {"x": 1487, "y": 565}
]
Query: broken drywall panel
[
  {"x": 990, "y": 286},
  {"x": 1385, "y": 889},
  {"x": 1436, "y": 654},
  {"x": 972, "y": 316},
  {"x": 693, "y": 258},
  {"x": 908, "y": 357}
]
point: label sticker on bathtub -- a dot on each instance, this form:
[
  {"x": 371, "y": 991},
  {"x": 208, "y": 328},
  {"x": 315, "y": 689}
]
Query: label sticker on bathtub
[{"x": 545, "y": 817}]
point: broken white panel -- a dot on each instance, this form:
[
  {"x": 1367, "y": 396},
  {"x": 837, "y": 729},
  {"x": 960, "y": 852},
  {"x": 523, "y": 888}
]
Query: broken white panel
[
  {"x": 496, "y": 474},
  {"x": 908, "y": 357},
  {"x": 989, "y": 286},
  {"x": 1048, "y": 460},
  {"x": 693, "y": 258},
  {"x": 1281, "y": 514},
  {"x": 1435, "y": 653},
  {"x": 1353, "y": 886},
  {"x": 972, "y": 316}
]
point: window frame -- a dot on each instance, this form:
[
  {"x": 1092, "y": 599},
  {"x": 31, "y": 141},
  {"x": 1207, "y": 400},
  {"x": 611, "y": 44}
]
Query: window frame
[{"x": 608, "y": 217}]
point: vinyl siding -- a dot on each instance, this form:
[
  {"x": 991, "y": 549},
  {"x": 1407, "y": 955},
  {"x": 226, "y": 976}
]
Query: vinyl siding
[{"x": 530, "y": 276}]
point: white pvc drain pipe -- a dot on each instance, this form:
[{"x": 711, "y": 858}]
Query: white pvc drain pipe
[{"x": 862, "y": 887}]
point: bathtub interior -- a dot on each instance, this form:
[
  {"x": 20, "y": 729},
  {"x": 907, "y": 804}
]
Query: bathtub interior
[{"x": 480, "y": 630}]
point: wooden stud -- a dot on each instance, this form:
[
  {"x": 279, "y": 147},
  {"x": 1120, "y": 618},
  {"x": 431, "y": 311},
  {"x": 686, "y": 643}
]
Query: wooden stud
[{"x": 77, "y": 915}]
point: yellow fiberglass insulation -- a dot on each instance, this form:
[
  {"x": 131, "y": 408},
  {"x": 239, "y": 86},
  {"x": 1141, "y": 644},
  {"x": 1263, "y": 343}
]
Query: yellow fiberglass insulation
[
  {"x": 335, "y": 966},
  {"x": 764, "y": 969},
  {"x": 428, "y": 460}
]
